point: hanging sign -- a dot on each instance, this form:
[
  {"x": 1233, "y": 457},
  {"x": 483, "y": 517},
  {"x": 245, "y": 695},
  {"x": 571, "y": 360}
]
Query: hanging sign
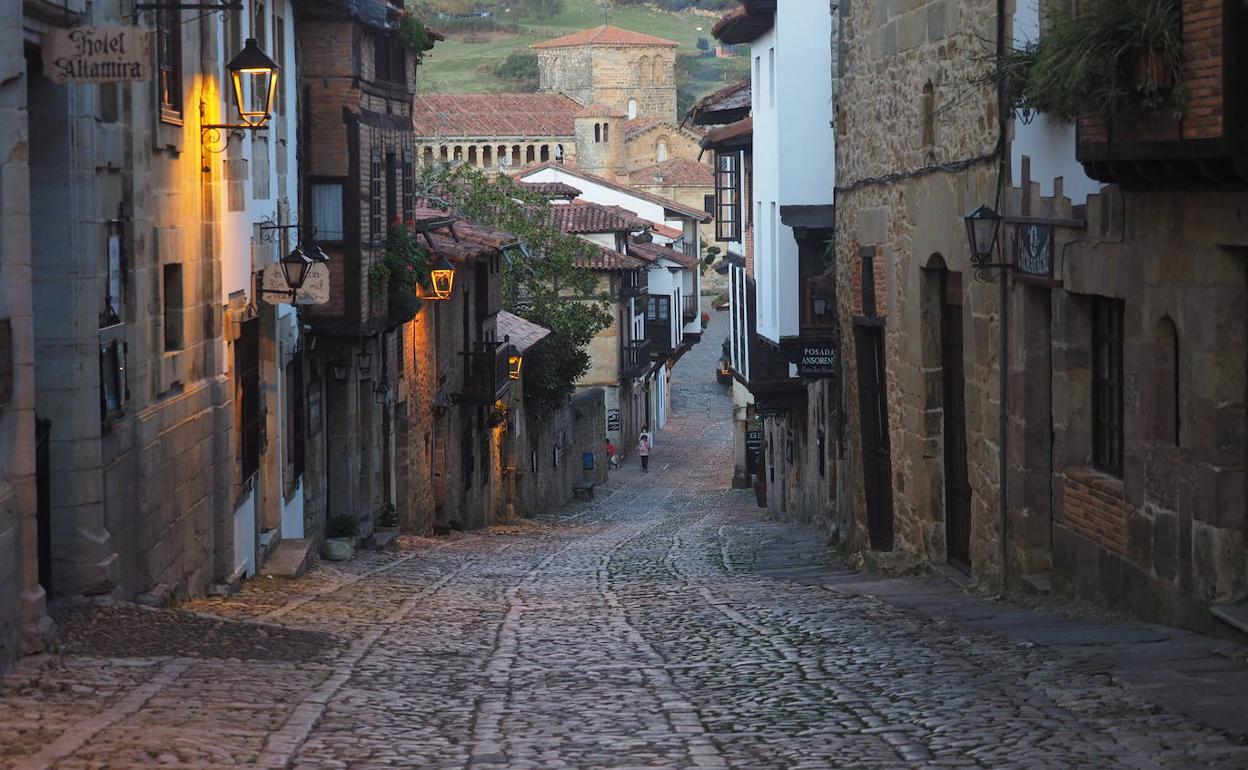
[
  {"x": 1034, "y": 249},
  {"x": 613, "y": 419},
  {"x": 315, "y": 289},
  {"x": 818, "y": 360},
  {"x": 97, "y": 54}
]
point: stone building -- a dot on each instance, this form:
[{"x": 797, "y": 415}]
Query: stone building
[
  {"x": 135, "y": 246},
  {"x": 1126, "y": 438},
  {"x": 630, "y": 71}
]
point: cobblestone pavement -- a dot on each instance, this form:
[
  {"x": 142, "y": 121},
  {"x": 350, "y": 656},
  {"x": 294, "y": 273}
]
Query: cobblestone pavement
[{"x": 633, "y": 631}]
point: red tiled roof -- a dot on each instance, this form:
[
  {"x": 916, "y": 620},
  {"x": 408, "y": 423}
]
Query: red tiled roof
[
  {"x": 605, "y": 35},
  {"x": 585, "y": 217},
  {"x": 746, "y": 24},
  {"x": 671, "y": 205},
  {"x": 519, "y": 332},
  {"x": 639, "y": 125},
  {"x": 491, "y": 116},
  {"x": 600, "y": 110},
  {"x": 550, "y": 189},
  {"x": 665, "y": 231},
  {"x": 652, "y": 251},
  {"x": 607, "y": 259},
  {"x": 680, "y": 172}
]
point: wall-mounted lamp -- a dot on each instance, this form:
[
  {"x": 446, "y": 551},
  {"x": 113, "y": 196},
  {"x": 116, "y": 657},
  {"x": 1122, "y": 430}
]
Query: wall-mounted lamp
[
  {"x": 364, "y": 360},
  {"x": 295, "y": 267},
  {"x": 442, "y": 276},
  {"x": 341, "y": 369},
  {"x": 255, "y": 84}
]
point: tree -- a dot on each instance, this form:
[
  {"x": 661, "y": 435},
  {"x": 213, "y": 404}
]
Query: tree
[
  {"x": 541, "y": 281},
  {"x": 520, "y": 69},
  {"x": 704, "y": 45}
]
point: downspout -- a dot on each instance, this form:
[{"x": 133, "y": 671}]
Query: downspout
[{"x": 1003, "y": 341}]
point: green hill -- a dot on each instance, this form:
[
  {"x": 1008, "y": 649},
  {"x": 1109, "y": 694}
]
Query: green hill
[{"x": 465, "y": 62}]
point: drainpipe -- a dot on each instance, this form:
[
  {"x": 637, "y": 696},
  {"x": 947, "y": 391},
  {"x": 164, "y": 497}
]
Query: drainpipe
[{"x": 1003, "y": 342}]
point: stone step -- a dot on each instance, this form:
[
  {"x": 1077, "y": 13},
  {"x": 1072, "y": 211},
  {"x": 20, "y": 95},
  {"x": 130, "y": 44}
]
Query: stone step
[
  {"x": 290, "y": 558},
  {"x": 1041, "y": 582}
]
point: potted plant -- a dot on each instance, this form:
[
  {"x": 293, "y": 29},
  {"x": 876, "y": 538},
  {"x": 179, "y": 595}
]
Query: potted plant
[
  {"x": 706, "y": 319},
  {"x": 387, "y": 526},
  {"x": 400, "y": 273},
  {"x": 340, "y": 534}
]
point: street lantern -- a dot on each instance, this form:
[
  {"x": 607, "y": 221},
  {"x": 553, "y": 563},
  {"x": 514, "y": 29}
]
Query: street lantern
[
  {"x": 364, "y": 360},
  {"x": 255, "y": 76},
  {"x": 515, "y": 360},
  {"x": 381, "y": 393},
  {"x": 295, "y": 267},
  {"x": 983, "y": 225},
  {"x": 442, "y": 276},
  {"x": 342, "y": 370}
]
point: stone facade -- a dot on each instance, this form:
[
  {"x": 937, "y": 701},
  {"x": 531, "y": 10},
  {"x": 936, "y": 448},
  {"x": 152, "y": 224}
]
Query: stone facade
[{"x": 636, "y": 80}]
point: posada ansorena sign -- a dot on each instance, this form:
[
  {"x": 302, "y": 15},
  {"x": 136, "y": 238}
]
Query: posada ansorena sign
[{"x": 97, "y": 54}]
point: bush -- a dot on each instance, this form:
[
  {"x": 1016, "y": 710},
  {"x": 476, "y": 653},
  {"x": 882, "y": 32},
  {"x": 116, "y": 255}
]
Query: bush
[
  {"x": 520, "y": 70},
  {"x": 341, "y": 525},
  {"x": 388, "y": 516}
]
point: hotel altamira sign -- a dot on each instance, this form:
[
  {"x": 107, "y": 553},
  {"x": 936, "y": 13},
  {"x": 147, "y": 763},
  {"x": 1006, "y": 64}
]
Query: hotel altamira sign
[{"x": 97, "y": 54}]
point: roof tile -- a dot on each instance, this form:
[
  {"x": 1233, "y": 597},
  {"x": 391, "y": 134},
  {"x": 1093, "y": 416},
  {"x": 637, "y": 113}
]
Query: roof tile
[
  {"x": 493, "y": 116},
  {"x": 582, "y": 217},
  {"x": 679, "y": 172},
  {"x": 605, "y": 35}
]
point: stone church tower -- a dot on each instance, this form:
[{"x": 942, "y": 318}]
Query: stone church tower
[
  {"x": 600, "y": 140},
  {"x": 629, "y": 71}
]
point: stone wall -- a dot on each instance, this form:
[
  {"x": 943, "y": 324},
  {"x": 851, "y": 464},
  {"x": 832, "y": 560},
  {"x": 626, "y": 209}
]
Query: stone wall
[
  {"x": 613, "y": 75},
  {"x": 550, "y": 448}
]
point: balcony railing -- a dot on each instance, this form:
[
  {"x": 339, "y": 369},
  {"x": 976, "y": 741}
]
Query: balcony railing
[
  {"x": 659, "y": 335},
  {"x": 485, "y": 373},
  {"x": 636, "y": 358},
  {"x": 633, "y": 283},
  {"x": 689, "y": 308}
]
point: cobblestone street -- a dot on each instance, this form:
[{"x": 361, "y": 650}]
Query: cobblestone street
[{"x": 639, "y": 630}]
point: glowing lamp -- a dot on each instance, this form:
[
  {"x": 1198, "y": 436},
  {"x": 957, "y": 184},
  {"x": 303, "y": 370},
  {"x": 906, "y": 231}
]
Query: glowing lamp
[
  {"x": 255, "y": 84},
  {"x": 514, "y": 362},
  {"x": 442, "y": 276}
]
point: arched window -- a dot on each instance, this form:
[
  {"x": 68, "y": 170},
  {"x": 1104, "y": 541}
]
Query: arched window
[
  {"x": 632, "y": 108},
  {"x": 530, "y": 154},
  {"x": 1166, "y": 416},
  {"x": 472, "y": 155},
  {"x": 658, "y": 71},
  {"x": 545, "y": 153},
  {"x": 558, "y": 153},
  {"x": 606, "y": 129},
  {"x": 660, "y": 150},
  {"x": 426, "y": 156},
  {"x": 643, "y": 70},
  {"x": 597, "y": 132},
  {"x": 929, "y": 114}
]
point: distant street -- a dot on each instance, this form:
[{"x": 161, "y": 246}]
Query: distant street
[{"x": 642, "y": 630}]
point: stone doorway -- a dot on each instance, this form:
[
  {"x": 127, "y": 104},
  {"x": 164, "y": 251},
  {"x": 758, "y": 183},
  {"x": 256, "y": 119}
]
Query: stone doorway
[{"x": 953, "y": 396}]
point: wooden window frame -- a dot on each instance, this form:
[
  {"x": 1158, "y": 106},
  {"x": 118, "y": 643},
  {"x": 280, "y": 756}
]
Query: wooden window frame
[
  {"x": 389, "y": 61},
  {"x": 376, "y": 227},
  {"x": 728, "y": 197},
  {"x": 1107, "y": 384},
  {"x": 341, "y": 184},
  {"x": 169, "y": 65}
]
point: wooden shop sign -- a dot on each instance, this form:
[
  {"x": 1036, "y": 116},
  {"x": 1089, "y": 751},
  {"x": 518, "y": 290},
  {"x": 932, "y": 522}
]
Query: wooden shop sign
[
  {"x": 97, "y": 55},
  {"x": 817, "y": 360}
]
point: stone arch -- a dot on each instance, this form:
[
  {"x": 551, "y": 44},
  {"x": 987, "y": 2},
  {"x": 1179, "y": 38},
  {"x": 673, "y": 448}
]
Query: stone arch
[
  {"x": 530, "y": 153},
  {"x": 515, "y": 155},
  {"x": 559, "y": 153},
  {"x": 1167, "y": 418},
  {"x": 472, "y": 155},
  {"x": 632, "y": 108},
  {"x": 544, "y": 154},
  {"x": 459, "y": 152},
  {"x": 426, "y": 156},
  {"x": 443, "y": 153},
  {"x": 487, "y": 156},
  {"x": 644, "y": 70},
  {"x": 501, "y": 155}
]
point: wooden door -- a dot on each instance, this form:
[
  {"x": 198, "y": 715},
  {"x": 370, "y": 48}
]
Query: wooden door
[
  {"x": 877, "y": 463},
  {"x": 957, "y": 483}
]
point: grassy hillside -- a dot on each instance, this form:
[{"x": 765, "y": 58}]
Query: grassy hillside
[{"x": 465, "y": 61}]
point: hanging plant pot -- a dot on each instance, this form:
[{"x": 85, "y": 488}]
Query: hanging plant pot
[
  {"x": 1152, "y": 72},
  {"x": 402, "y": 306}
]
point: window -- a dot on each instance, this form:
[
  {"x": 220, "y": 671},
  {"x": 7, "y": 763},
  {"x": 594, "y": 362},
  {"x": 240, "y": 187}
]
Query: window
[
  {"x": 708, "y": 204},
  {"x": 113, "y": 387},
  {"x": 327, "y": 218},
  {"x": 392, "y": 188},
  {"x": 1107, "y": 317},
  {"x": 173, "y": 305},
  {"x": 597, "y": 132},
  {"x": 658, "y": 308},
  {"x": 727, "y": 197},
  {"x": 533, "y": 464},
  {"x": 390, "y": 62},
  {"x": 632, "y": 108},
  {"x": 279, "y": 56},
  {"x": 114, "y": 285},
  {"x": 929, "y": 114},
  {"x": 169, "y": 64},
  {"x": 660, "y": 151},
  {"x": 409, "y": 187},
  {"x": 375, "y": 224},
  {"x": 606, "y": 132}
]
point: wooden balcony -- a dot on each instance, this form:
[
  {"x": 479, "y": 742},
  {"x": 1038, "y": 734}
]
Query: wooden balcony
[
  {"x": 633, "y": 283},
  {"x": 1207, "y": 147},
  {"x": 485, "y": 374},
  {"x": 659, "y": 335},
  {"x": 688, "y": 309},
  {"x": 635, "y": 359}
]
